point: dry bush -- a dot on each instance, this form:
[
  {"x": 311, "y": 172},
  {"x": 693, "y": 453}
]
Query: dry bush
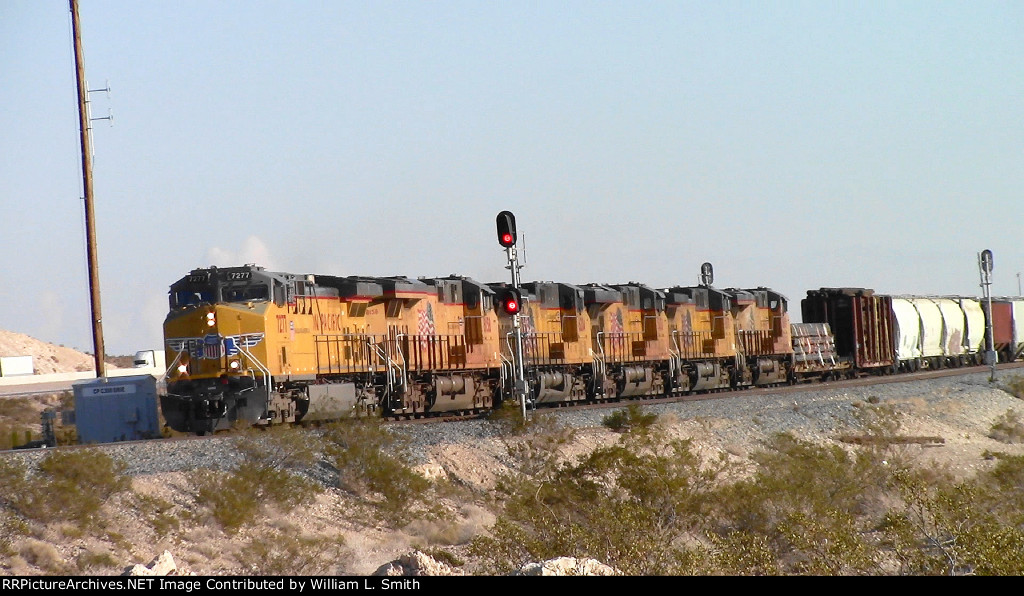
[
  {"x": 19, "y": 410},
  {"x": 1008, "y": 428},
  {"x": 629, "y": 505},
  {"x": 159, "y": 513},
  {"x": 1015, "y": 386},
  {"x": 11, "y": 528},
  {"x": 372, "y": 463},
  {"x": 629, "y": 419},
  {"x": 287, "y": 552},
  {"x": 271, "y": 474},
  {"x": 472, "y": 521},
  {"x": 89, "y": 561},
  {"x": 68, "y": 486},
  {"x": 42, "y": 555}
]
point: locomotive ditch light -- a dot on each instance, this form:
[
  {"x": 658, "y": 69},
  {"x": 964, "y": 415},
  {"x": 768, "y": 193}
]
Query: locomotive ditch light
[
  {"x": 234, "y": 365},
  {"x": 506, "y": 229}
]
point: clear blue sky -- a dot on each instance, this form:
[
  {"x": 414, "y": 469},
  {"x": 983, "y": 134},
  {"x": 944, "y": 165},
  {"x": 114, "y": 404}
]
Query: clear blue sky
[{"x": 793, "y": 145}]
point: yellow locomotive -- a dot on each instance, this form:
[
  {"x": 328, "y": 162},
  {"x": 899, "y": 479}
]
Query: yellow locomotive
[
  {"x": 253, "y": 346},
  {"x": 597, "y": 342},
  {"x": 250, "y": 346}
]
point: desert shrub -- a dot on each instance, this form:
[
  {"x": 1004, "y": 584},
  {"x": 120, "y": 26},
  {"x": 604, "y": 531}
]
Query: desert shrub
[
  {"x": 1008, "y": 428},
  {"x": 66, "y": 400},
  {"x": 278, "y": 553},
  {"x": 628, "y": 505},
  {"x": 1004, "y": 484},
  {"x": 270, "y": 474},
  {"x": 370, "y": 460},
  {"x": 1015, "y": 386},
  {"x": 282, "y": 446},
  {"x": 68, "y": 486},
  {"x": 43, "y": 555},
  {"x": 509, "y": 419},
  {"x": 65, "y": 434},
  {"x": 878, "y": 420},
  {"x": 537, "y": 450},
  {"x": 812, "y": 506},
  {"x": 19, "y": 409},
  {"x": 735, "y": 552},
  {"x": 13, "y": 434},
  {"x": 444, "y": 556},
  {"x": 11, "y": 528},
  {"x": 159, "y": 513},
  {"x": 949, "y": 529},
  {"x": 18, "y": 416},
  {"x": 631, "y": 418},
  {"x": 88, "y": 560}
]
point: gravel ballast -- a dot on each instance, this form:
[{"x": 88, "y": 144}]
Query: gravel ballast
[{"x": 956, "y": 408}]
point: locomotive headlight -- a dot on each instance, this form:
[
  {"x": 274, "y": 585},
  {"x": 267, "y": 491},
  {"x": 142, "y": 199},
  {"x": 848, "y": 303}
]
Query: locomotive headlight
[{"x": 211, "y": 319}]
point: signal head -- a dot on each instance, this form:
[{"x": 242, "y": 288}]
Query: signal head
[
  {"x": 510, "y": 301},
  {"x": 506, "y": 229}
]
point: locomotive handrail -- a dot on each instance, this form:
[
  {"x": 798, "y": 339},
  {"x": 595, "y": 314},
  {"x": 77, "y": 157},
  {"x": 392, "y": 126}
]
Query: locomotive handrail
[
  {"x": 504, "y": 378},
  {"x": 173, "y": 363},
  {"x": 262, "y": 368},
  {"x": 673, "y": 351},
  {"x": 388, "y": 363},
  {"x": 673, "y": 347},
  {"x": 599, "y": 361},
  {"x": 404, "y": 366}
]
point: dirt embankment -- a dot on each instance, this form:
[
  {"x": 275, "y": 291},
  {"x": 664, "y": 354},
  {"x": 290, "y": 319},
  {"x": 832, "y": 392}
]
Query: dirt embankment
[{"x": 49, "y": 358}]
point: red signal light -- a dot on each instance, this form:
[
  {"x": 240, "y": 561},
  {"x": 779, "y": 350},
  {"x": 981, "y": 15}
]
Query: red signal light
[
  {"x": 506, "y": 229},
  {"x": 510, "y": 300}
]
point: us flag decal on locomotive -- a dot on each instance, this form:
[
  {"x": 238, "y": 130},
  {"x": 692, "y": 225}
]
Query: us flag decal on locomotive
[{"x": 213, "y": 346}]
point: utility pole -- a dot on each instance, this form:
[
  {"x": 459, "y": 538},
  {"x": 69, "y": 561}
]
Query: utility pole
[{"x": 90, "y": 224}]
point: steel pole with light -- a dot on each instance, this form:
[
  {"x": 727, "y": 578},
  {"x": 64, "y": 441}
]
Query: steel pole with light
[
  {"x": 985, "y": 267},
  {"x": 506, "y": 224}
]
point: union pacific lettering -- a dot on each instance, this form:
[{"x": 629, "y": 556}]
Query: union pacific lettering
[{"x": 327, "y": 322}]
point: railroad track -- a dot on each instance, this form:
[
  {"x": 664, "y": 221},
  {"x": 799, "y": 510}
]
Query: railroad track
[{"x": 861, "y": 381}]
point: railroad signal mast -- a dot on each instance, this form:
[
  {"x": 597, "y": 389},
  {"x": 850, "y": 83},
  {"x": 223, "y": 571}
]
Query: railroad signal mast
[
  {"x": 985, "y": 267},
  {"x": 511, "y": 299}
]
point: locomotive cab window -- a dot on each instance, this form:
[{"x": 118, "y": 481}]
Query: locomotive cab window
[
  {"x": 246, "y": 294},
  {"x": 191, "y": 297}
]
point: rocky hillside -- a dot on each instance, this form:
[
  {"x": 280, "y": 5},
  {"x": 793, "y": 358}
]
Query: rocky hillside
[
  {"x": 337, "y": 533},
  {"x": 48, "y": 358}
]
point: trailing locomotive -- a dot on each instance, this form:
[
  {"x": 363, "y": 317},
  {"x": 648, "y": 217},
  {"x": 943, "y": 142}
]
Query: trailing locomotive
[{"x": 249, "y": 346}]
